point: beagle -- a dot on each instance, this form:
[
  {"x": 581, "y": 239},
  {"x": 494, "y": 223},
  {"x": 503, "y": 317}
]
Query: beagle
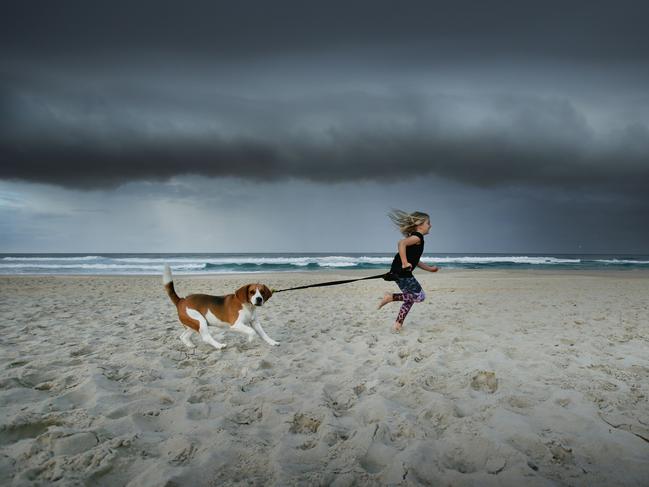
[{"x": 238, "y": 311}]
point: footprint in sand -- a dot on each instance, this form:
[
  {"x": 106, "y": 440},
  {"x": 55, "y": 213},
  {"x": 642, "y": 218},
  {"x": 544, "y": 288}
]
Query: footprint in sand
[
  {"x": 433, "y": 383},
  {"x": 148, "y": 419},
  {"x": 561, "y": 454},
  {"x": 305, "y": 423},
  {"x": 177, "y": 450},
  {"x": 247, "y": 415},
  {"x": 518, "y": 403},
  {"x": 17, "y": 363},
  {"x": 479, "y": 455},
  {"x": 75, "y": 443},
  {"x": 24, "y": 427},
  {"x": 377, "y": 457},
  {"x": 339, "y": 399},
  {"x": 79, "y": 352},
  {"x": 202, "y": 394},
  {"x": 458, "y": 460},
  {"x": 308, "y": 444},
  {"x": 336, "y": 436},
  {"x": 90, "y": 464},
  {"x": 114, "y": 373},
  {"x": 484, "y": 381},
  {"x": 436, "y": 417},
  {"x": 380, "y": 451}
]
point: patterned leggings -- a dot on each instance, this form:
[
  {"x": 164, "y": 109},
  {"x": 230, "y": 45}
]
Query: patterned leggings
[{"x": 411, "y": 293}]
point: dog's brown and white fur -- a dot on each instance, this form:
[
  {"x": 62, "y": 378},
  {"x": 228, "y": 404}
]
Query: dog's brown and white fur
[{"x": 238, "y": 311}]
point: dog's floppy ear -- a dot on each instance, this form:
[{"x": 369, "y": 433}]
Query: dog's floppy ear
[
  {"x": 242, "y": 293},
  {"x": 265, "y": 292}
]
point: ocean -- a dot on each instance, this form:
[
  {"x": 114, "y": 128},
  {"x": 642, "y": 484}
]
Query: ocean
[{"x": 188, "y": 264}]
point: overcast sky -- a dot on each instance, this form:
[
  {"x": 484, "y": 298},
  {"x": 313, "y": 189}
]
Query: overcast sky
[{"x": 295, "y": 126}]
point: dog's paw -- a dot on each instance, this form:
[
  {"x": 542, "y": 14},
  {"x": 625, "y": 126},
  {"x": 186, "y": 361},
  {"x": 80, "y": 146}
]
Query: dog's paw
[{"x": 274, "y": 343}]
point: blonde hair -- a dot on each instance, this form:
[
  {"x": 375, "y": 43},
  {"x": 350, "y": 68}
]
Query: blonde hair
[{"x": 407, "y": 222}]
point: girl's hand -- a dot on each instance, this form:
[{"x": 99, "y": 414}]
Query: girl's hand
[
  {"x": 434, "y": 269},
  {"x": 406, "y": 265}
]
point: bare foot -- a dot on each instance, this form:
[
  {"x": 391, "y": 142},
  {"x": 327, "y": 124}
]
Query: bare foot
[
  {"x": 397, "y": 327},
  {"x": 386, "y": 299}
]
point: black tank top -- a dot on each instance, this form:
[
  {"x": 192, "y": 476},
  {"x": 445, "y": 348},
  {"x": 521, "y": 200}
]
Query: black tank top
[{"x": 413, "y": 254}]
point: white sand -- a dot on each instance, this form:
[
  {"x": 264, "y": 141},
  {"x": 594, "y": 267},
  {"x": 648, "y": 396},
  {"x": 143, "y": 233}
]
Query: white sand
[{"x": 499, "y": 378}]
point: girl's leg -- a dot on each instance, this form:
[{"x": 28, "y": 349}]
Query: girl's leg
[
  {"x": 412, "y": 293},
  {"x": 387, "y": 298},
  {"x": 403, "y": 312}
]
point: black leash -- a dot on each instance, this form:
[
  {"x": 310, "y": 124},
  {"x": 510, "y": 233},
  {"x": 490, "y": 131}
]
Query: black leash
[{"x": 333, "y": 283}]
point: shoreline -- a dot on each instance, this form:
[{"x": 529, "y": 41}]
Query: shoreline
[{"x": 635, "y": 272}]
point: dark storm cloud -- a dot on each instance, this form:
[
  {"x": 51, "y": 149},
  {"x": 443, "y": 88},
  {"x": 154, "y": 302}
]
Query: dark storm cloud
[
  {"x": 90, "y": 139},
  {"x": 79, "y": 109},
  {"x": 581, "y": 30}
]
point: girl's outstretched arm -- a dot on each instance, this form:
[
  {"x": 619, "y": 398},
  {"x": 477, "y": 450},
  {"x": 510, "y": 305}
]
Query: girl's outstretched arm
[{"x": 428, "y": 268}]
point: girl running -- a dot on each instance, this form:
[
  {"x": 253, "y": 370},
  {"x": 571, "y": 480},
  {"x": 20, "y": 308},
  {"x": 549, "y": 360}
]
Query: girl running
[{"x": 413, "y": 226}]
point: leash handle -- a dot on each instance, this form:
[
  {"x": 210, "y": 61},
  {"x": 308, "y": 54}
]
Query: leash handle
[{"x": 330, "y": 283}]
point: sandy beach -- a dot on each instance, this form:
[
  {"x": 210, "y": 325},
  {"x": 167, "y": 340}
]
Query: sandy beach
[{"x": 532, "y": 378}]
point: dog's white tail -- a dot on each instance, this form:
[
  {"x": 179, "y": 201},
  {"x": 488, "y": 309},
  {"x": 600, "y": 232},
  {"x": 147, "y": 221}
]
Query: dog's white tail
[
  {"x": 168, "y": 282},
  {"x": 166, "y": 278}
]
